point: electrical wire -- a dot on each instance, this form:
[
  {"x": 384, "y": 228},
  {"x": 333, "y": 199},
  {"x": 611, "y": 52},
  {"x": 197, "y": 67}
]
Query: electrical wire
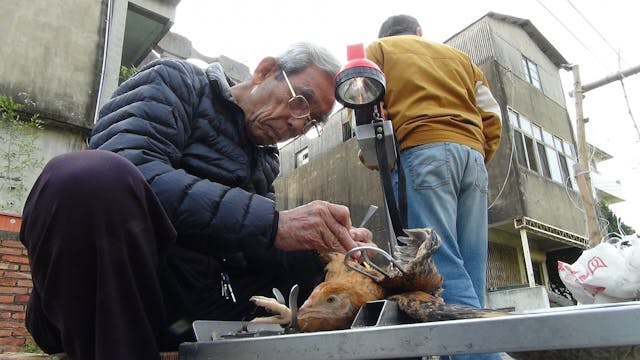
[
  {"x": 568, "y": 191},
  {"x": 617, "y": 52},
  {"x": 574, "y": 35},
  {"x": 594, "y": 28},
  {"x": 626, "y": 99},
  {"x": 506, "y": 177}
]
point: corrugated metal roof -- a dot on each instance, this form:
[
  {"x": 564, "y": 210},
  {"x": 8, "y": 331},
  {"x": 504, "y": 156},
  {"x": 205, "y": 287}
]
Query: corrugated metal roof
[{"x": 545, "y": 46}]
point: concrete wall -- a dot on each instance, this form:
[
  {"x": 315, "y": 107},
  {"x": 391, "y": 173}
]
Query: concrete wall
[
  {"x": 337, "y": 176},
  {"x": 536, "y": 106},
  {"x": 511, "y": 43},
  {"x": 51, "y": 142},
  {"x": 505, "y": 197},
  {"x": 51, "y": 53},
  {"x": 52, "y": 63},
  {"x": 536, "y": 191},
  {"x": 552, "y": 203},
  {"x": 521, "y": 191},
  {"x": 520, "y": 299},
  {"x": 331, "y": 138}
]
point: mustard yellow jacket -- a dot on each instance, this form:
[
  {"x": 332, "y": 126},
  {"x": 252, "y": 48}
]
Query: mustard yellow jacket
[{"x": 436, "y": 94}]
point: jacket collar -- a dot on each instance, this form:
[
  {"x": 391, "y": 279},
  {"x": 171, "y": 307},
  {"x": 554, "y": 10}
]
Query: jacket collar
[
  {"x": 221, "y": 85},
  {"x": 219, "y": 82}
]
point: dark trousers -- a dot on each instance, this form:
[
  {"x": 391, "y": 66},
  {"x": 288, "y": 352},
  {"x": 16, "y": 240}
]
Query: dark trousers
[{"x": 109, "y": 281}]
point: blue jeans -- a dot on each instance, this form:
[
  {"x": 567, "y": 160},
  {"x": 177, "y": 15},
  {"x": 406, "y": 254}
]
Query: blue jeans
[{"x": 447, "y": 191}]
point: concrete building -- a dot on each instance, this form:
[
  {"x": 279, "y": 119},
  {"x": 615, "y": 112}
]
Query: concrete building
[
  {"x": 63, "y": 62},
  {"x": 534, "y": 205}
]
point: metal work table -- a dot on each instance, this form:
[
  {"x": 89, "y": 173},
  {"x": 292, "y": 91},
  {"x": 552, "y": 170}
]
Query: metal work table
[{"x": 583, "y": 326}]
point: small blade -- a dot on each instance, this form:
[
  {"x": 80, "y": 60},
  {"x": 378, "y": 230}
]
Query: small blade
[
  {"x": 372, "y": 209},
  {"x": 293, "y": 305}
]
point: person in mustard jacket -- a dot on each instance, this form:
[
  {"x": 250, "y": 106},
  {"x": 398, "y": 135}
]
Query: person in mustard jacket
[{"x": 448, "y": 126}]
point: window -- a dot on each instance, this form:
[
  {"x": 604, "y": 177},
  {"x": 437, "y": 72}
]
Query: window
[
  {"x": 531, "y": 72},
  {"x": 566, "y": 175},
  {"x": 347, "y": 131},
  {"x": 542, "y": 152},
  {"x": 544, "y": 163},
  {"x": 521, "y": 153},
  {"x": 554, "y": 165},
  {"x": 513, "y": 119},
  {"x": 568, "y": 149},
  {"x": 302, "y": 157},
  {"x": 531, "y": 154}
]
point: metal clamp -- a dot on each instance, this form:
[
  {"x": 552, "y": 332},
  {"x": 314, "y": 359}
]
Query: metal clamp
[{"x": 367, "y": 261}]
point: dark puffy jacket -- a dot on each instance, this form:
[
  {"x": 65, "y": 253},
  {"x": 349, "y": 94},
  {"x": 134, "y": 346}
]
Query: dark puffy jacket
[{"x": 180, "y": 127}]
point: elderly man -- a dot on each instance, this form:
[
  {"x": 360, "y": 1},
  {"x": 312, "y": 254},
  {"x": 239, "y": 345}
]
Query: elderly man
[{"x": 171, "y": 216}]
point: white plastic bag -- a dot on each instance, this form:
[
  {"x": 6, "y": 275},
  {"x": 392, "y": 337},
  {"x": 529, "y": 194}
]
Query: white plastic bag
[{"x": 608, "y": 272}]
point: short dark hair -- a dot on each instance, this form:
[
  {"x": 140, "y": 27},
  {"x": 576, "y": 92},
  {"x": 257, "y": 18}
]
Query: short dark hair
[{"x": 398, "y": 25}]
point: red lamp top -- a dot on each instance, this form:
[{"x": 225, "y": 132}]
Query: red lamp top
[{"x": 356, "y": 58}]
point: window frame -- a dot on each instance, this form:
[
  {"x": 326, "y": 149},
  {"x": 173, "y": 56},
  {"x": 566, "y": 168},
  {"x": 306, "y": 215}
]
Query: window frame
[
  {"x": 542, "y": 152},
  {"x": 532, "y": 72},
  {"x": 302, "y": 157}
]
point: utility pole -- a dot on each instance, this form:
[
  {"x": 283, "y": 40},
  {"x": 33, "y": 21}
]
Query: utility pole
[{"x": 581, "y": 168}]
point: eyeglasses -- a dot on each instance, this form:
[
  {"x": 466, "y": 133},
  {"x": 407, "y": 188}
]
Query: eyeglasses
[{"x": 299, "y": 109}]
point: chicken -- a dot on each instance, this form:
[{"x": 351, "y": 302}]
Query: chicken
[
  {"x": 416, "y": 288},
  {"x": 282, "y": 314},
  {"x": 334, "y": 303}
]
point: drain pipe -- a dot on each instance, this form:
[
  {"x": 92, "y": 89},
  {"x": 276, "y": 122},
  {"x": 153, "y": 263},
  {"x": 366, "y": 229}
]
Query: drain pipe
[{"x": 104, "y": 58}]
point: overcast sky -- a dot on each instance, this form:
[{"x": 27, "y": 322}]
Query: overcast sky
[{"x": 599, "y": 36}]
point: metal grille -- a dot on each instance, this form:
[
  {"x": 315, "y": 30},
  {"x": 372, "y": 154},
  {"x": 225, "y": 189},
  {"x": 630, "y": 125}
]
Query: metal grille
[
  {"x": 475, "y": 41},
  {"x": 503, "y": 269},
  {"x": 551, "y": 232}
]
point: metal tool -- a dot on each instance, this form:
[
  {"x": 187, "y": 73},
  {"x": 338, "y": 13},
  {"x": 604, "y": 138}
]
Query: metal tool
[
  {"x": 293, "y": 306},
  {"x": 372, "y": 209},
  {"x": 366, "y": 259},
  {"x": 279, "y": 296}
]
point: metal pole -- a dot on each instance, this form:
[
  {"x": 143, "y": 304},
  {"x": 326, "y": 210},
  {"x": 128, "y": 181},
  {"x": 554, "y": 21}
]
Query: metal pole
[
  {"x": 581, "y": 168},
  {"x": 527, "y": 257},
  {"x": 611, "y": 78},
  {"x": 620, "y": 75}
]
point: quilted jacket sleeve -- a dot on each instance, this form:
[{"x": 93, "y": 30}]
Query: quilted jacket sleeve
[{"x": 150, "y": 120}]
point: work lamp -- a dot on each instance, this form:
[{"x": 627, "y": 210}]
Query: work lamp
[
  {"x": 360, "y": 85},
  {"x": 360, "y": 82}
]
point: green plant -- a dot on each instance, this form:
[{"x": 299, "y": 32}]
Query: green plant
[
  {"x": 30, "y": 346},
  {"x": 18, "y": 152},
  {"x": 127, "y": 72},
  {"x": 613, "y": 221}
]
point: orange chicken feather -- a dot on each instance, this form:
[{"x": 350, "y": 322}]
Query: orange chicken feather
[{"x": 334, "y": 304}]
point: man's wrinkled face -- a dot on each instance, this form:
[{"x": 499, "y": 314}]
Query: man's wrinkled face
[{"x": 269, "y": 120}]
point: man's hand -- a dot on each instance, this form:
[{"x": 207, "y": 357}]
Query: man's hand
[{"x": 319, "y": 225}]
